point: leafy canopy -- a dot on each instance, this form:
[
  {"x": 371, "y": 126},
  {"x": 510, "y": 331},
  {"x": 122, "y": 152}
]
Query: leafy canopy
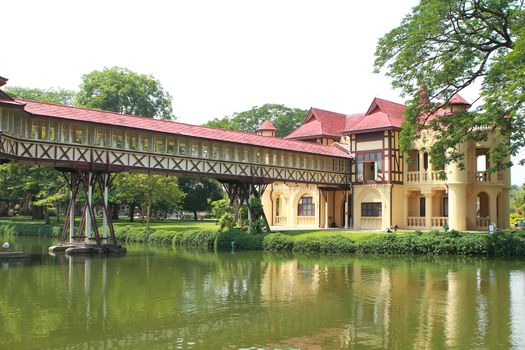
[
  {"x": 285, "y": 119},
  {"x": 51, "y": 95},
  {"x": 447, "y": 45},
  {"x": 123, "y": 91}
]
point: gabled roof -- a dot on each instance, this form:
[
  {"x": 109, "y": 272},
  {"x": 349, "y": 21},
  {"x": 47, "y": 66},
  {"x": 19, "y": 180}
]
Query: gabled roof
[
  {"x": 149, "y": 124},
  {"x": 382, "y": 114},
  {"x": 456, "y": 99},
  {"x": 267, "y": 126},
  {"x": 319, "y": 123}
]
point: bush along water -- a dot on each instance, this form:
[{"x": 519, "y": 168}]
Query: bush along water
[{"x": 30, "y": 229}]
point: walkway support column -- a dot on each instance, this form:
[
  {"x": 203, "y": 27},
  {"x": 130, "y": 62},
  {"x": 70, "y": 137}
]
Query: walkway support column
[
  {"x": 105, "y": 178},
  {"x": 72, "y": 208},
  {"x": 89, "y": 205}
]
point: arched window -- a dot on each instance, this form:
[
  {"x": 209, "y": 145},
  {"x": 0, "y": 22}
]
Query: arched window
[
  {"x": 306, "y": 206},
  {"x": 278, "y": 206}
]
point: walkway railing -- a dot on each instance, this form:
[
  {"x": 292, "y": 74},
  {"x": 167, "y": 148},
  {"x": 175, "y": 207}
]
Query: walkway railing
[{"x": 483, "y": 176}]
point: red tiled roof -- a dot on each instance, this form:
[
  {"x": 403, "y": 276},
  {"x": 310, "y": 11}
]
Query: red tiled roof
[
  {"x": 3, "y": 80},
  {"x": 181, "y": 129},
  {"x": 458, "y": 100},
  {"x": 267, "y": 126},
  {"x": 319, "y": 122},
  {"x": 381, "y": 114}
]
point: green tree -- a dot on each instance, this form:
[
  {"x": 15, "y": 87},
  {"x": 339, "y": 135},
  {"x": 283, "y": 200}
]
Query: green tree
[
  {"x": 149, "y": 192},
  {"x": 447, "y": 45},
  {"x": 285, "y": 119},
  {"x": 51, "y": 95},
  {"x": 123, "y": 91},
  {"x": 200, "y": 193}
]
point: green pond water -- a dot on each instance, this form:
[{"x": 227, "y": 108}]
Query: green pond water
[{"x": 166, "y": 298}]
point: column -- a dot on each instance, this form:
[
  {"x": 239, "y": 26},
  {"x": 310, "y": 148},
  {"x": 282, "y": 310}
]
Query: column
[
  {"x": 421, "y": 165},
  {"x": 325, "y": 210},
  {"x": 457, "y": 207},
  {"x": 428, "y": 209},
  {"x": 346, "y": 210},
  {"x": 88, "y": 213},
  {"x": 72, "y": 210},
  {"x": 493, "y": 205}
]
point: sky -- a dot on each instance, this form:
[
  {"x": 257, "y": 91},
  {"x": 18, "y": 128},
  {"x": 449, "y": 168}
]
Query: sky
[{"x": 214, "y": 57}]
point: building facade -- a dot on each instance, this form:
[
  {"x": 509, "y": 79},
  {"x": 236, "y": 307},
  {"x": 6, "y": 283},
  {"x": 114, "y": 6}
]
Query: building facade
[{"x": 388, "y": 187}]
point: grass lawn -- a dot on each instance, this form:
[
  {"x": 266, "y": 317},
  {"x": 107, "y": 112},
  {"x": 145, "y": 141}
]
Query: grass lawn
[
  {"x": 174, "y": 225},
  {"x": 353, "y": 235}
]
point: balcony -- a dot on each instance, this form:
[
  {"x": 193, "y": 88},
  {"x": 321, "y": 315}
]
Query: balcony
[
  {"x": 422, "y": 177},
  {"x": 485, "y": 177},
  {"x": 416, "y": 222},
  {"x": 420, "y": 222},
  {"x": 306, "y": 220},
  {"x": 279, "y": 220}
]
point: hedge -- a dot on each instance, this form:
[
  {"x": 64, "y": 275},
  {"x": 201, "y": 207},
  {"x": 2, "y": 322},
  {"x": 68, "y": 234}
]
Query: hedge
[
  {"x": 30, "y": 229},
  {"x": 241, "y": 239}
]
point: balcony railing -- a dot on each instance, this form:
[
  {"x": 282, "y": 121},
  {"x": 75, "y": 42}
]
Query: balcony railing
[
  {"x": 306, "y": 220},
  {"x": 279, "y": 220},
  {"x": 438, "y": 221},
  {"x": 482, "y": 222},
  {"x": 483, "y": 176},
  {"x": 419, "y": 177},
  {"x": 416, "y": 221}
]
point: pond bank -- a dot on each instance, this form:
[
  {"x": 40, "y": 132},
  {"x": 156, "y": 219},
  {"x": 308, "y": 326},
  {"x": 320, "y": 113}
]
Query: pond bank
[{"x": 501, "y": 244}]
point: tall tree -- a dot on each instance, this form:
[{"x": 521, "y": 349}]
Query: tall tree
[
  {"x": 120, "y": 90},
  {"x": 285, "y": 119},
  {"x": 149, "y": 192},
  {"x": 200, "y": 192},
  {"x": 51, "y": 95},
  {"x": 445, "y": 46}
]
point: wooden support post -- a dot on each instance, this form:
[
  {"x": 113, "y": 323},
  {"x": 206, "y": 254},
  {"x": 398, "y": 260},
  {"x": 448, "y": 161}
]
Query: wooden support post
[
  {"x": 105, "y": 178},
  {"x": 89, "y": 199}
]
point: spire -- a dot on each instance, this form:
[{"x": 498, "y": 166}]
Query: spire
[{"x": 267, "y": 129}]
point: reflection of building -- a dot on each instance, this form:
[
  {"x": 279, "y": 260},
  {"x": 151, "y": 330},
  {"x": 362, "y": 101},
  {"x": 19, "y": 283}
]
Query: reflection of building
[{"x": 388, "y": 187}]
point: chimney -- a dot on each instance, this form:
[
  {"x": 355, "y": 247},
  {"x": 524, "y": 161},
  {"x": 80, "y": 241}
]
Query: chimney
[{"x": 267, "y": 129}]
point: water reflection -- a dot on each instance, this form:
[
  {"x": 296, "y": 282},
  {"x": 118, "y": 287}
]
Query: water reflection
[{"x": 160, "y": 298}]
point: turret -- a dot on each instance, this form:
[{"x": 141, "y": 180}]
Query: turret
[{"x": 267, "y": 129}]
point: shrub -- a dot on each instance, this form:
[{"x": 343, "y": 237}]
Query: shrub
[
  {"x": 202, "y": 239},
  {"x": 277, "y": 242},
  {"x": 30, "y": 229},
  {"x": 243, "y": 240}
]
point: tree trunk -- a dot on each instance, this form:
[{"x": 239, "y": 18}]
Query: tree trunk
[
  {"x": 149, "y": 213},
  {"x": 114, "y": 209},
  {"x": 142, "y": 213},
  {"x": 58, "y": 212},
  {"x": 25, "y": 204},
  {"x": 131, "y": 213},
  {"x": 45, "y": 211},
  {"x": 195, "y": 215},
  {"x": 37, "y": 213}
]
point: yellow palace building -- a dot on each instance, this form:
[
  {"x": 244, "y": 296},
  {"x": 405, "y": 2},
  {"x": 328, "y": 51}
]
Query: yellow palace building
[{"x": 386, "y": 189}]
